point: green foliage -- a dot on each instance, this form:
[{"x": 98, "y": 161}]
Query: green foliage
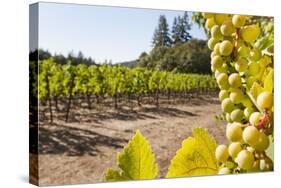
[
  {"x": 135, "y": 162},
  {"x": 196, "y": 156}
]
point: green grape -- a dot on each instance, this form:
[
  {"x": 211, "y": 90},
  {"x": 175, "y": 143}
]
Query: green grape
[
  {"x": 211, "y": 43},
  {"x": 216, "y": 32},
  {"x": 266, "y": 164},
  {"x": 226, "y": 48},
  {"x": 262, "y": 142},
  {"x": 227, "y": 105},
  {"x": 255, "y": 54},
  {"x": 234, "y": 148},
  {"x": 221, "y": 153},
  {"x": 217, "y": 61},
  {"x": 217, "y": 49},
  {"x": 223, "y": 94},
  {"x": 227, "y": 28},
  {"x": 241, "y": 65},
  {"x": 222, "y": 80},
  {"x": 207, "y": 15},
  {"x": 255, "y": 118},
  {"x": 219, "y": 18},
  {"x": 247, "y": 112},
  {"x": 224, "y": 171},
  {"x": 243, "y": 51},
  {"x": 251, "y": 135},
  {"x": 234, "y": 132},
  {"x": 234, "y": 80},
  {"x": 236, "y": 96},
  {"x": 237, "y": 115},
  {"x": 265, "y": 100},
  {"x": 239, "y": 20},
  {"x": 245, "y": 160},
  {"x": 213, "y": 54},
  {"x": 223, "y": 68},
  {"x": 210, "y": 22},
  {"x": 254, "y": 68},
  {"x": 228, "y": 118},
  {"x": 250, "y": 33}
]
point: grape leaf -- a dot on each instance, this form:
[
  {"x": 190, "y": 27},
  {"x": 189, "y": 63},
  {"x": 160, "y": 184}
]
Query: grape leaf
[
  {"x": 256, "y": 89},
  {"x": 196, "y": 157},
  {"x": 268, "y": 82},
  {"x": 135, "y": 162}
]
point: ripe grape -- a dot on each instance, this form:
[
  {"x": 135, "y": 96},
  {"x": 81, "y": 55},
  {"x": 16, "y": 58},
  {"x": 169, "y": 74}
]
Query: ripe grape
[
  {"x": 222, "y": 80},
  {"x": 223, "y": 94},
  {"x": 217, "y": 49},
  {"x": 255, "y": 54},
  {"x": 210, "y": 22},
  {"x": 251, "y": 135},
  {"x": 234, "y": 132},
  {"x": 255, "y": 118},
  {"x": 265, "y": 100},
  {"x": 217, "y": 61},
  {"x": 216, "y": 32},
  {"x": 207, "y": 15},
  {"x": 245, "y": 160},
  {"x": 236, "y": 96},
  {"x": 241, "y": 65},
  {"x": 227, "y": 105},
  {"x": 237, "y": 115},
  {"x": 239, "y": 20},
  {"x": 226, "y": 48},
  {"x": 234, "y": 80},
  {"x": 254, "y": 68},
  {"x": 221, "y": 153},
  {"x": 228, "y": 118},
  {"x": 243, "y": 51},
  {"x": 212, "y": 42},
  {"x": 224, "y": 171},
  {"x": 227, "y": 28},
  {"x": 234, "y": 148},
  {"x": 262, "y": 142},
  {"x": 250, "y": 33},
  {"x": 219, "y": 18},
  {"x": 247, "y": 112}
]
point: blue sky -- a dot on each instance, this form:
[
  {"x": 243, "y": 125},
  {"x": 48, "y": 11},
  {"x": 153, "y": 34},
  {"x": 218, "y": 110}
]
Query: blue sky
[{"x": 100, "y": 32}]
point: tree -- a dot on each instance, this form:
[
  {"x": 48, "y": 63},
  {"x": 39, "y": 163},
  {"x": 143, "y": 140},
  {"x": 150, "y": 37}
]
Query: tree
[
  {"x": 185, "y": 28},
  {"x": 176, "y": 36},
  {"x": 161, "y": 36}
]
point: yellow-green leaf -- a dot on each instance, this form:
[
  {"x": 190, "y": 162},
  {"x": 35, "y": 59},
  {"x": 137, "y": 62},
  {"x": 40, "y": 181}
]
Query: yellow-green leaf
[
  {"x": 268, "y": 81},
  {"x": 255, "y": 90},
  {"x": 196, "y": 157},
  {"x": 135, "y": 162}
]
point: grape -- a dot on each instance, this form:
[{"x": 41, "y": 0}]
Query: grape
[
  {"x": 227, "y": 105},
  {"x": 234, "y": 148},
  {"x": 262, "y": 142},
  {"x": 265, "y": 100},
  {"x": 217, "y": 61},
  {"x": 236, "y": 96},
  {"x": 216, "y": 32},
  {"x": 245, "y": 160},
  {"x": 234, "y": 80},
  {"x": 250, "y": 33},
  {"x": 217, "y": 49},
  {"x": 237, "y": 115},
  {"x": 255, "y": 167},
  {"x": 255, "y": 118},
  {"x": 241, "y": 65},
  {"x": 224, "y": 171},
  {"x": 239, "y": 20},
  {"x": 255, "y": 54},
  {"x": 226, "y": 48},
  {"x": 210, "y": 22},
  {"x": 221, "y": 153},
  {"x": 211, "y": 43},
  {"x": 223, "y": 94},
  {"x": 219, "y": 18},
  {"x": 227, "y": 28},
  {"x": 228, "y": 118},
  {"x": 266, "y": 164},
  {"x": 223, "y": 68},
  {"x": 247, "y": 112},
  {"x": 213, "y": 54},
  {"x": 222, "y": 80},
  {"x": 254, "y": 68},
  {"x": 234, "y": 132},
  {"x": 251, "y": 135},
  {"x": 243, "y": 51},
  {"x": 250, "y": 81},
  {"x": 207, "y": 15}
]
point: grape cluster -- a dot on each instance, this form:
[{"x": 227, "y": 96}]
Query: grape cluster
[{"x": 242, "y": 73}]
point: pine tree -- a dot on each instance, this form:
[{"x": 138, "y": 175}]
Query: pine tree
[
  {"x": 186, "y": 26},
  {"x": 176, "y": 38},
  {"x": 161, "y": 37}
]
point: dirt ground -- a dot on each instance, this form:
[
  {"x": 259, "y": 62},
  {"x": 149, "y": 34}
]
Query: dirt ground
[{"x": 81, "y": 150}]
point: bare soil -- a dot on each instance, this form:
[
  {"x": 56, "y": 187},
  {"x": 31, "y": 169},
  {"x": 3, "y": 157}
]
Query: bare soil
[{"x": 80, "y": 150}]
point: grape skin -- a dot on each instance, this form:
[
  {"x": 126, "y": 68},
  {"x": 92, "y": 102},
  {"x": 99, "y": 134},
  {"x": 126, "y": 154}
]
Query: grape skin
[
  {"x": 234, "y": 132},
  {"x": 234, "y": 80},
  {"x": 227, "y": 105},
  {"x": 221, "y": 153},
  {"x": 265, "y": 100},
  {"x": 245, "y": 160},
  {"x": 250, "y": 135},
  {"x": 239, "y": 20},
  {"x": 255, "y": 118},
  {"x": 234, "y": 148}
]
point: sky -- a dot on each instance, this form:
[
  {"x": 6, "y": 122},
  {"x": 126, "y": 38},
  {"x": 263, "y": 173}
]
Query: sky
[{"x": 101, "y": 32}]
